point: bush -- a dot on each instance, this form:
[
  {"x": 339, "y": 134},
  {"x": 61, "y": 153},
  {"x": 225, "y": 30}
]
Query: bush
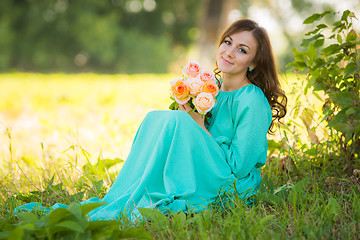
[{"x": 330, "y": 60}]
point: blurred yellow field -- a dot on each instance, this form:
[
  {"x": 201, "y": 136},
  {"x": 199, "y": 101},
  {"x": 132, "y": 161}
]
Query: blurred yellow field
[
  {"x": 42, "y": 116},
  {"x": 54, "y": 124}
]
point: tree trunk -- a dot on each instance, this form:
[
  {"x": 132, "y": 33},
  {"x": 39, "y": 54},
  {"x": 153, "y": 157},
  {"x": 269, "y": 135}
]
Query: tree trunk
[{"x": 214, "y": 20}]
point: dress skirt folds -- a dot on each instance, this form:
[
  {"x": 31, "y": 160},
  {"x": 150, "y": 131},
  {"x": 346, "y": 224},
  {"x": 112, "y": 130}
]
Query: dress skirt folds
[{"x": 174, "y": 165}]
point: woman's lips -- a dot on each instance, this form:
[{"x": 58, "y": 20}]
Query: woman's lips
[{"x": 226, "y": 61}]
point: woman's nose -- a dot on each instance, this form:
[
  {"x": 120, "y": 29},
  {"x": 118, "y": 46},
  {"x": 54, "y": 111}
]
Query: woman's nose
[{"x": 230, "y": 51}]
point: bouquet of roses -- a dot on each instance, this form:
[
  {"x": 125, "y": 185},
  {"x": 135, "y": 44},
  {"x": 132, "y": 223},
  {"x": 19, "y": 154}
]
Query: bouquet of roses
[{"x": 196, "y": 87}]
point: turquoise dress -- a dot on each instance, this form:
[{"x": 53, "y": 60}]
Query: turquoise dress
[{"x": 174, "y": 165}]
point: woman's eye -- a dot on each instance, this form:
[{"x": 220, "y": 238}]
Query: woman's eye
[
  {"x": 242, "y": 50},
  {"x": 227, "y": 42}
]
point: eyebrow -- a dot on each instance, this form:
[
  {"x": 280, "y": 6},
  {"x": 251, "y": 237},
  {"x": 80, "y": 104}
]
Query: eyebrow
[{"x": 241, "y": 44}]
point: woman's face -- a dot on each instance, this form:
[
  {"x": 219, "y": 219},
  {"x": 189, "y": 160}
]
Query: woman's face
[{"x": 236, "y": 53}]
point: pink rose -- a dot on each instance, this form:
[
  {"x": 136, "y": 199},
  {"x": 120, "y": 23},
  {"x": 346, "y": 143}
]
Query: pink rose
[
  {"x": 195, "y": 85},
  {"x": 191, "y": 70},
  {"x": 210, "y": 87},
  {"x": 180, "y": 91},
  {"x": 204, "y": 102},
  {"x": 206, "y": 76}
]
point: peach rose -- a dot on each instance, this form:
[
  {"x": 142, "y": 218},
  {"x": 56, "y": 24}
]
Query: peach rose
[
  {"x": 180, "y": 91},
  {"x": 195, "y": 85},
  {"x": 191, "y": 70},
  {"x": 210, "y": 87},
  {"x": 206, "y": 75},
  {"x": 174, "y": 81},
  {"x": 204, "y": 102}
]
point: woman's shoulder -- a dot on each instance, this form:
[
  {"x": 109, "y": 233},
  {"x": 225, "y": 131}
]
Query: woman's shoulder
[
  {"x": 250, "y": 92},
  {"x": 252, "y": 97},
  {"x": 253, "y": 100}
]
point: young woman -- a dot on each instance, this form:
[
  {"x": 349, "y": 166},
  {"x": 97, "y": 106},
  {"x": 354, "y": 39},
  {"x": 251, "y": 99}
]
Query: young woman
[{"x": 177, "y": 163}]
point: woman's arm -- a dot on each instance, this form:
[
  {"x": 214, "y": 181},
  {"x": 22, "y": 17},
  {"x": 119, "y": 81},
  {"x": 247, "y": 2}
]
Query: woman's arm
[{"x": 248, "y": 147}]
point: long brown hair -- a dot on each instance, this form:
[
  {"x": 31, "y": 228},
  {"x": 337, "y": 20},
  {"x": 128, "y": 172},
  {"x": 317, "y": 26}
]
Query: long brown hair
[{"x": 264, "y": 75}]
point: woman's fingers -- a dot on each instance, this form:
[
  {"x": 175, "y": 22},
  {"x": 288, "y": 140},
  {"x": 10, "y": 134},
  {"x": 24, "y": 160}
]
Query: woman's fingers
[{"x": 185, "y": 107}]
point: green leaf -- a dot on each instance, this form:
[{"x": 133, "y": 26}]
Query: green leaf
[
  {"x": 71, "y": 225},
  {"x": 75, "y": 209},
  {"x": 319, "y": 42},
  {"x": 321, "y": 26},
  {"x": 76, "y": 197},
  {"x": 310, "y": 83},
  {"x": 58, "y": 214},
  {"x": 29, "y": 227},
  {"x": 192, "y": 110},
  {"x": 312, "y": 54},
  {"x": 283, "y": 192},
  {"x": 160, "y": 221},
  {"x": 300, "y": 65},
  {"x": 340, "y": 117},
  {"x": 311, "y": 151},
  {"x": 98, "y": 185},
  {"x": 350, "y": 111},
  {"x": 351, "y": 69},
  {"x": 179, "y": 220},
  {"x": 5, "y": 235},
  {"x": 346, "y": 128},
  {"x": 273, "y": 199},
  {"x": 306, "y": 42},
  {"x": 111, "y": 162},
  {"x": 266, "y": 185},
  {"x": 274, "y": 145},
  {"x": 339, "y": 26},
  {"x": 332, "y": 210},
  {"x": 50, "y": 184},
  {"x": 352, "y": 36},
  {"x": 332, "y": 49},
  {"x": 100, "y": 224},
  {"x": 344, "y": 99},
  {"x": 339, "y": 38},
  {"x": 85, "y": 153},
  {"x": 315, "y": 17},
  {"x": 174, "y": 106},
  {"x": 298, "y": 189},
  {"x": 317, "y": 96},
  {"x": 57, "y": 187},
  {"x": 345, "y": 15},
  {"x": 352, "y": 15},
  {"x": 357, "y": 130},
  {"x": 318, "y": 28},
  {"x": 319, "y": 63},
  {"x": 27, "y": 217},
  {"x": 17, "y": 233},
  {"x": 312, "y": 18},
  {"x": 86, "y": 208}
]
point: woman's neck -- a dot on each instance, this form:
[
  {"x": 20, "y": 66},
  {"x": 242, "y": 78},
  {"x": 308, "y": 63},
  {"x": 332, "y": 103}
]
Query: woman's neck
[{"x": 231, "y": 83}]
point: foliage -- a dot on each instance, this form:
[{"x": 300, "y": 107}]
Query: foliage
[
  {"x": 68, "y": 223},
  {"x": 130, "y": 36},
  {"x": 332, "y": 65},
  {"x": 291, "y": 212}
]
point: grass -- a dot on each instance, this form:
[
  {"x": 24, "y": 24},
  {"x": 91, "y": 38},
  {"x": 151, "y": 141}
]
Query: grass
[{"x": 63, "y": 138}]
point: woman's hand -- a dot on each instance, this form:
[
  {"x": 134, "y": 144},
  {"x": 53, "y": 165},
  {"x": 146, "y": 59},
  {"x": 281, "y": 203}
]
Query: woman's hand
[{"x": 195, "y": 115}]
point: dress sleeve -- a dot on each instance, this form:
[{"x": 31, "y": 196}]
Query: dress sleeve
[{"x": 248, "y": 147}]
